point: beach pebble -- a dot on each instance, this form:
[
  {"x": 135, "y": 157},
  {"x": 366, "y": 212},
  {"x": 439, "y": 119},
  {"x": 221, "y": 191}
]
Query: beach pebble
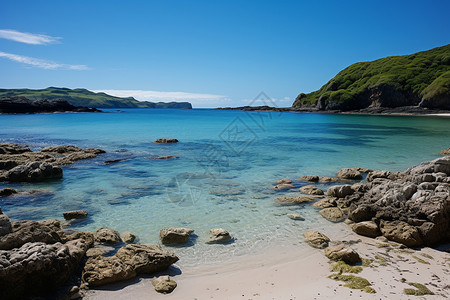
[
  {"x": 164, "y": 284},
  {"x": 219, "y": 235}
]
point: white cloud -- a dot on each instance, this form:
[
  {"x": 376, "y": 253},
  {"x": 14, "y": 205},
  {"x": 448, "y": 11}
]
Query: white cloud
[
  {"x": 196, "y": 99},
  {"x": 27, "y": 38},
  {"x": 41, "y": 63}
]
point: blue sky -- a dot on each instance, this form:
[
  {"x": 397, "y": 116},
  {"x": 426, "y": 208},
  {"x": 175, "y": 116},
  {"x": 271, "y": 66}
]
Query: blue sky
[{"x": 211, "y": 53}]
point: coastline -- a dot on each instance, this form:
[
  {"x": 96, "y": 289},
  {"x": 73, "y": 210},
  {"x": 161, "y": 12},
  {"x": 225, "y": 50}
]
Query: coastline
[{"x": 293, "y": 273}]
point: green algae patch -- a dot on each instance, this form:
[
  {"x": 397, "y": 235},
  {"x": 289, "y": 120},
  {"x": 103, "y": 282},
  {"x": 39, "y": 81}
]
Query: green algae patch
[
  {"x": 420, "y": 290},
  {"x": 353, "y": 282},
  {"x": 341, "y": 267},
  {"x": 366, "y": 262},
  {"x": 421, "y": 260},
  {"x": 427, "y": 255},
  {"x": 381, "y": 260},
  {"x": 383, "y": 245}
]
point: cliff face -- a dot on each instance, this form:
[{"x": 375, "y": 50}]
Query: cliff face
[
  {"x": 22, "y": 105},
  {"x": 83, "y": 97},
  {"x": 421, "y": 79}
]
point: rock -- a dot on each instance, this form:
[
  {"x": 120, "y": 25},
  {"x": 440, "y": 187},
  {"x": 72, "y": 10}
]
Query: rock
[
  {"x": 105, "y": 235},
  {"x": 92, "y": 252},
  {"x": 166, "y": 157},
  {"x": 378, "y": 174},
  {"x": 5, "y": 225},
  {"x": 401, "y": 232},
  {"x": 340, "y": 191},
  {"x": 333, "y": 214},
  {"x": 33, "y": 172},
  {"x": 283, "y": 186},
  {"x": 445, "y": 152},
  {"x": 363, "y": 170},
  {"x": 6, "y": 148},
  {"x": 30, "y": 232},
  {"x": 75, "y": 214},
  {"x": 316, "y": 239},
  {"x": 63, "y": 149},
  {"x": 7, "y": 192},
  {"x": 326, "y": 202},
  {"x": 88, "y": 237},
  {"x": 343, "y": 253},
  {"x": 295, "y": 217},
  {"x": 128, "y": 262},
  {"x": 113, "y": 161},
  {"x": 36, "y": 268},
  {"x": 287, "y": 181},
  {"x": 329, "y": 179},
  {"x": 175, "y": 235},
  {"x": 347, "y": 173},
  {"x": 128, "y": 237},
  {"x": 366, "y": 228},
  {"x": 309, "y": 178},
  {"x": 311, "y": 190},
  {"x": 23, "y": 105},
  {"x": 363, "y": 212},
  {"x": 219, "y": 235},
  {"x": 165, "y": 141},
  {"x": 164, "y": 285},
  {"x": 293, "y": 200}
]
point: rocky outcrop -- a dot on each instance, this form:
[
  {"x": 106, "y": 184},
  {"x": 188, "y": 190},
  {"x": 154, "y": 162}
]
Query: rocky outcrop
[
  {"x": 128, "y": 262},
  {"x": 219, "y": 236},
  {"x": 166, "y": 141},
  {"x": 445, "y": 152},
  {"x": 19, "y": 164},
  {"x": 22, "y": 105},
  {"x": 175, "y": 235},
  {"x": 316, "y": 239}
]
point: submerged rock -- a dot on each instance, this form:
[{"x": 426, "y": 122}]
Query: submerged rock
[
  {"x": 309, "y": 178},
  {"x": 329, "y": 179},
  {"x": 219, "y": 236},
  {"x": 165, "y": 141},
  {"x": 293, "y": 200},
  {"x": 75, "y": 214},
  {"x": 7, "y": 192},
  {"x": 33, "y": 172},
  {"x": 295, "y": 217},
  {"x": 175, "y": 235},
  {"x": 285, "y": 180},
  {"x": 311, "y": 190},
  {"x": 316, "y": 239},
  {"x": 163, "y": 284},
  {"x": 283, "y": 186}
]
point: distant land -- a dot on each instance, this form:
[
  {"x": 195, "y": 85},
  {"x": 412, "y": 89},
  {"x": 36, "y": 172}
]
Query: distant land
[
  {"x": 420, "y": 80},
  {"x": 86, "y": 98}
]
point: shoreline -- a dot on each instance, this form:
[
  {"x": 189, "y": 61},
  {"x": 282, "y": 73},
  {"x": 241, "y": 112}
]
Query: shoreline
[{"x": 293, "y": 273}]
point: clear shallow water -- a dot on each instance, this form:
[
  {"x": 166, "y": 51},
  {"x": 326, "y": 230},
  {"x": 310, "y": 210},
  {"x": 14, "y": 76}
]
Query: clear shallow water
[{"x": 229, "y": 162}]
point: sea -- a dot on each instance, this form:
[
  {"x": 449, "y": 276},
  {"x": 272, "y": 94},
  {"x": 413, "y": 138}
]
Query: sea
[{"x": 228, "y": 163}]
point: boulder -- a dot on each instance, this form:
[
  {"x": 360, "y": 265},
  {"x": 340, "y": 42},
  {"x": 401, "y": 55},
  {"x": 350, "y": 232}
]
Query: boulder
[
  {"x": 33, "y": 172},
  {"x": 366, "y": 228},
  {"x": 92, "y": 252},
  {"x": 295, "y": 217},
  {"x": 128, "y": 262},
  {"x": 175, "y": 235},
  {"x": 316, "y": 239},
  {"x": 401, "y": 232},
  {"x": 7, "y": 192},
  {"x": 340, "y": 191},
  {"x": 36, "y": 268},
  {"x": 128, "y": 237},
  {"x": 363, "y": 212},
  {"x": 347, "y": 173},
  {"x": 5, "y": 225},
  {"x": 163, "y": 284},
  {"x": 165, "y": 141},
  {"x": 219, "y": 236},
  {"x": 293, "y": 200},
  {"x": 309, "y": 178},
  {"x": 30, "y": 232},
  {"x": 445, "y": 152},
  {"x": 105, "y": 235},
  {"x": 311, "y": 190},
  {"x": 343, "y": 253},
  {"x": 333, "y": 214},
  {"x": 378, "y": 174},
  {"x": 75, "y": 214}
]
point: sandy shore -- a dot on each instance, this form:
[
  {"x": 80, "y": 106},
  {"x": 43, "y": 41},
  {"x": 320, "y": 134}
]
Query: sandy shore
[{"x": 300, "y": 272}]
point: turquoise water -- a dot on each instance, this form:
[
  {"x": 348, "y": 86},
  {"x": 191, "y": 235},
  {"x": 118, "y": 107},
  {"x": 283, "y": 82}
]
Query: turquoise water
[{"x": 229, "y": 162}]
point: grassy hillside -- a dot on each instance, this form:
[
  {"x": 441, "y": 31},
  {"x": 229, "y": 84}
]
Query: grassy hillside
[
  {"x": 83, "y": 97},
  {"x": 418, "y": 78}
]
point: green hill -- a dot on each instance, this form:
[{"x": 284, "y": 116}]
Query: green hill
[
  {"x": 83, "y": 97},
  {"x": 420, "y": 79}
]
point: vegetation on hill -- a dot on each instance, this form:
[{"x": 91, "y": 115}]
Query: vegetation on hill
[
  {"x": 421, "y": 79},
  {"x": 86, "y": 98}
]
